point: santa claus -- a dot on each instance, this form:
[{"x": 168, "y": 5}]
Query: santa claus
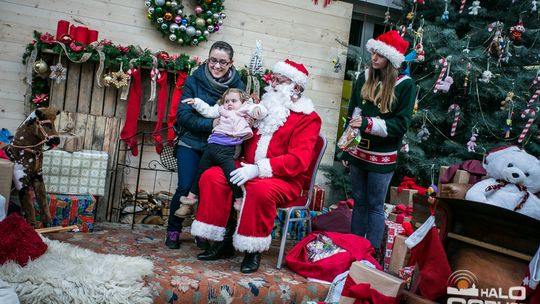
[{"x": 272, "y": 172}]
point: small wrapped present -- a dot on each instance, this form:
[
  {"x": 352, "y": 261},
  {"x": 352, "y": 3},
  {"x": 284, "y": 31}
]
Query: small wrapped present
[
  {"x": 351, "y": 136},
  {"x": 5, "y": 179},
  {"x": 399, "y": 257},
  {"x": 70, "y": 142},
  {"x": 394, "y": 229},
  {"x": 400, "y": 214},
  {"x": 403, "y": 197},
  {"x": 317, "y": 199},
  {"x": 69, "y": 210},
  {"x": 407, "y": 273},
  {"x": 75, "y": 173},
  {"x": 366, "y": 284}
]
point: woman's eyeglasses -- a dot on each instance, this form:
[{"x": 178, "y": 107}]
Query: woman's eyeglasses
[{"x": 213, "y": 61}]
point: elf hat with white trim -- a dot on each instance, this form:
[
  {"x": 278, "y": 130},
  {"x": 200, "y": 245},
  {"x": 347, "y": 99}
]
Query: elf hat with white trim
[
  {"x": 297, "y": 72},
  {"x": 390, "y": 45}
]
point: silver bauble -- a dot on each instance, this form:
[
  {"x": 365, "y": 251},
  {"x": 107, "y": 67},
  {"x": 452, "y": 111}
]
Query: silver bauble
[
  {"x": 182, "y": 28},
  {"x": 151, "y": 10},
  {"x": 220, "y": 22},
  {"x": 159, "y": 20},
  {"x": 216, "y": 15},
  {"x": 191, "y": 31},
  {"x": 172, "y": 37},
  {"x": 210, "y": 28},
  {"x": 194, "y": 42},
  {"x": 198, "y": 33},
  {"x": 174, "y": 4},
  {"x": 159, "y": 2},
  {"x": 180, "y": 12},
  {"x": 164, "y": 26},
  {"x": 147, "y": 3},
  {"x": 206, "y": 33},
  {"x": 223, "y": 16},
  {"x": 173, "y": 27}
]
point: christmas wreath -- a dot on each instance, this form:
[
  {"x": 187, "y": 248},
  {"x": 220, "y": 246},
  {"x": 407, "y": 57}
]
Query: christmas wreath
[{"x": 170, "y": 19}]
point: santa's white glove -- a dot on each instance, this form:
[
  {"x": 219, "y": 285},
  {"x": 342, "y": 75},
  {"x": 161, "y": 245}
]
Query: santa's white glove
[{"x": 243, "y": 174}]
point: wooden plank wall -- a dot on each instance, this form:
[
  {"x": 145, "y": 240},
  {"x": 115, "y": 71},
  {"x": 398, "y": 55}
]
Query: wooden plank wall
[{"x": 298, "y": 30}]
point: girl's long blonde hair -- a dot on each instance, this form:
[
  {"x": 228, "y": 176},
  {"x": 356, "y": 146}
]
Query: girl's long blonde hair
[{"x": 379, "y": 87}]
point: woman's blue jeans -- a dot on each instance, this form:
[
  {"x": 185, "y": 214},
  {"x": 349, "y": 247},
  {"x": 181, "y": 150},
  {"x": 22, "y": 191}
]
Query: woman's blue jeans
[
  {"x": 188, "y": 165},
  {"x": 369, "y": 191}
]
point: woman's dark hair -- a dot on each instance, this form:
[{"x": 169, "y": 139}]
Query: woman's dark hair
[{"x": 222, "y": 45}]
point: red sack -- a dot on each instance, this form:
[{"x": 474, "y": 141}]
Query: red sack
[
  {"x": 337, "y": 220},
  {"x": 357, "y": 249}
]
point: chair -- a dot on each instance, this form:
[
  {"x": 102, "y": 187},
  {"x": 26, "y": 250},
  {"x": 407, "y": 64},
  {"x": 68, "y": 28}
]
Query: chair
[{"x": 320, "y": 147}]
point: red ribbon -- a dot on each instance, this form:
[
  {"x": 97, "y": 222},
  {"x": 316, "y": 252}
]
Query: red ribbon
[
  {"x": 39, "y": 98},
  {"x": 410, "y": 183},
  {"x": 47, "y": 38},
  {"x": 364, "y": 294}
]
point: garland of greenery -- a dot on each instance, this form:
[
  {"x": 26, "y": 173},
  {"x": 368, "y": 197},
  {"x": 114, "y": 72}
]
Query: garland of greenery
[
  {"x": 171, "y": 20},
  {"x": 114, "y": 56}
]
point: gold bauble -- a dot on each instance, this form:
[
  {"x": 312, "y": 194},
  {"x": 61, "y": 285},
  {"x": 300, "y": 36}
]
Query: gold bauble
[
  {"x": 107, "y": 79},
  {"x": 168, "y": 16},
  {"x": 41, "y": 67},
  {"x": 200, "y": 22}
]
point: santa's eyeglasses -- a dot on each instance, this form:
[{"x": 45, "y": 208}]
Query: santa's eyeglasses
[{"x": 280, "y": 79}]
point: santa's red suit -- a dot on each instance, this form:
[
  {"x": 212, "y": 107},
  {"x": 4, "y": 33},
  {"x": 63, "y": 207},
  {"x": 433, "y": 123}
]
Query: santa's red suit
[{"x": 282, "y": 147}]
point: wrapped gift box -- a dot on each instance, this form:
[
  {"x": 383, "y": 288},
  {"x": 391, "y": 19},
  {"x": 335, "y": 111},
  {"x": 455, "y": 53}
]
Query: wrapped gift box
[
  {"x": 407, "y": 274},
  {"x": 6, "y": 167},
  {"x": 400, "y": 254},
  {"x": 297, "y": 230},
  {"x": 317, "y": 199},
  {"x": 394, "y": 229},
  {"x": 75, "y": 173},
  {"x": 404, "y": 197},
  {"x": 70, "y": 142},
  {"x": 399, "y": 218},
  {"x": 384, "y": 283},
  {"x": 69, "y": 210}
]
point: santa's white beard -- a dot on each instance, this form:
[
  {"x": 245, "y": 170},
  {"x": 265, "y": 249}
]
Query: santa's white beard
[{"x": 277, "y": 101}]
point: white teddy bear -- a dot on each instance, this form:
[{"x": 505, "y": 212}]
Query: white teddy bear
[{"x": 513, "y": 183}]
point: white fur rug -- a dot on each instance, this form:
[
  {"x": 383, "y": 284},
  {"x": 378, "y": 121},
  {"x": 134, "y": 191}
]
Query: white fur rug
[{"x": 69, "y": 274}]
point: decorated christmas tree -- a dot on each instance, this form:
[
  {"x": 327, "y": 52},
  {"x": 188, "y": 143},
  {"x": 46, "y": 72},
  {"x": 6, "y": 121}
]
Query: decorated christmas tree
[{"x": 477, "y": 68}]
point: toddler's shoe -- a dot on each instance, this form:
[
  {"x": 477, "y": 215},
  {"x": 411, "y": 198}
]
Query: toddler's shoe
[{"x": 185, "y": 210}]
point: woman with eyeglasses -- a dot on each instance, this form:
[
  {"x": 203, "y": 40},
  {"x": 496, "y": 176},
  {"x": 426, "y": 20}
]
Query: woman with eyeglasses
[{"x": 207, "y": 83}]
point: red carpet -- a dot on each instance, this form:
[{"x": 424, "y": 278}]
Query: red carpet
[{"x": 180, "y": 278}]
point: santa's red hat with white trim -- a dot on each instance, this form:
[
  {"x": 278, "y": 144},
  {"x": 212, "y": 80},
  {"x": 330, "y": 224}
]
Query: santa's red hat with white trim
[
  {"x": 390, "y": 45},
  {"x": 297, "y": 72}
]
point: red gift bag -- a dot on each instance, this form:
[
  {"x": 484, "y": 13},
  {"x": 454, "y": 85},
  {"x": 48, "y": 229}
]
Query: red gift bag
[{"x": 357, "y": 249}]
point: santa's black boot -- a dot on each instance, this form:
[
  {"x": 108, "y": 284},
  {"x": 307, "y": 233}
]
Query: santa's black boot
[
  {"x": 223, "y": 249},
  {"x": 251, "y": 262}
]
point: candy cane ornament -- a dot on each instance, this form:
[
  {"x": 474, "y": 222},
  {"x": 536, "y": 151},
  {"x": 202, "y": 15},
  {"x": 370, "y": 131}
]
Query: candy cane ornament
[
  {"x": 462, "y": 6},
  {"x": 457, "y": 111},
  {"x": 534, "y": 96},
  {"x": 531, "y": 113},
  {"x": 444, "y": 63}
]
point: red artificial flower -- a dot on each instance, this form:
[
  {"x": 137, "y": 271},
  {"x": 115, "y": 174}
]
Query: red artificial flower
[
  {"x": 104, "y": 41},
  {"x": 268, "y": 78},
  {"x": 197, "y": 59},
  {"x": 39, "y": 98},
  {"x": 47, "y": 38},
  {"x": 75, "y": 47},
  {"x": 163, "y": 56},
  {"x": 123, "y": 49},
  {"x": 173, "y": 57}
]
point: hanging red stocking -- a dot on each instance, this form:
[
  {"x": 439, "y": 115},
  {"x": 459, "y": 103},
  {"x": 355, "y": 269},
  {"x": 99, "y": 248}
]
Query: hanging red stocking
[
  {"x": 129, "y": 131},
  {"x": 161, "y": 108},
  {"x": 532, "y": 278},
  {"x": 428, "y": 252},
  {"x": 175, "y": 100}
]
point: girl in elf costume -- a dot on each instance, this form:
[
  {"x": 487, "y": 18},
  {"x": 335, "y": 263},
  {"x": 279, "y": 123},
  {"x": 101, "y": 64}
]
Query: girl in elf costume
[
  {"x": 208, "y": 83},
  {"x": 386, "y": 100}
]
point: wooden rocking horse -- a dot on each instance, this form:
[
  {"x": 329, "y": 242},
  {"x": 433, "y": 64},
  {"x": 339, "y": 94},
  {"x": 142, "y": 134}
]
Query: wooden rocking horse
[{"x": 26, "y": 151}]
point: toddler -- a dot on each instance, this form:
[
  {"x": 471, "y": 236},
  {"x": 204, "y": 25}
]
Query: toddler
[{"x": 235, "y": 111}]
